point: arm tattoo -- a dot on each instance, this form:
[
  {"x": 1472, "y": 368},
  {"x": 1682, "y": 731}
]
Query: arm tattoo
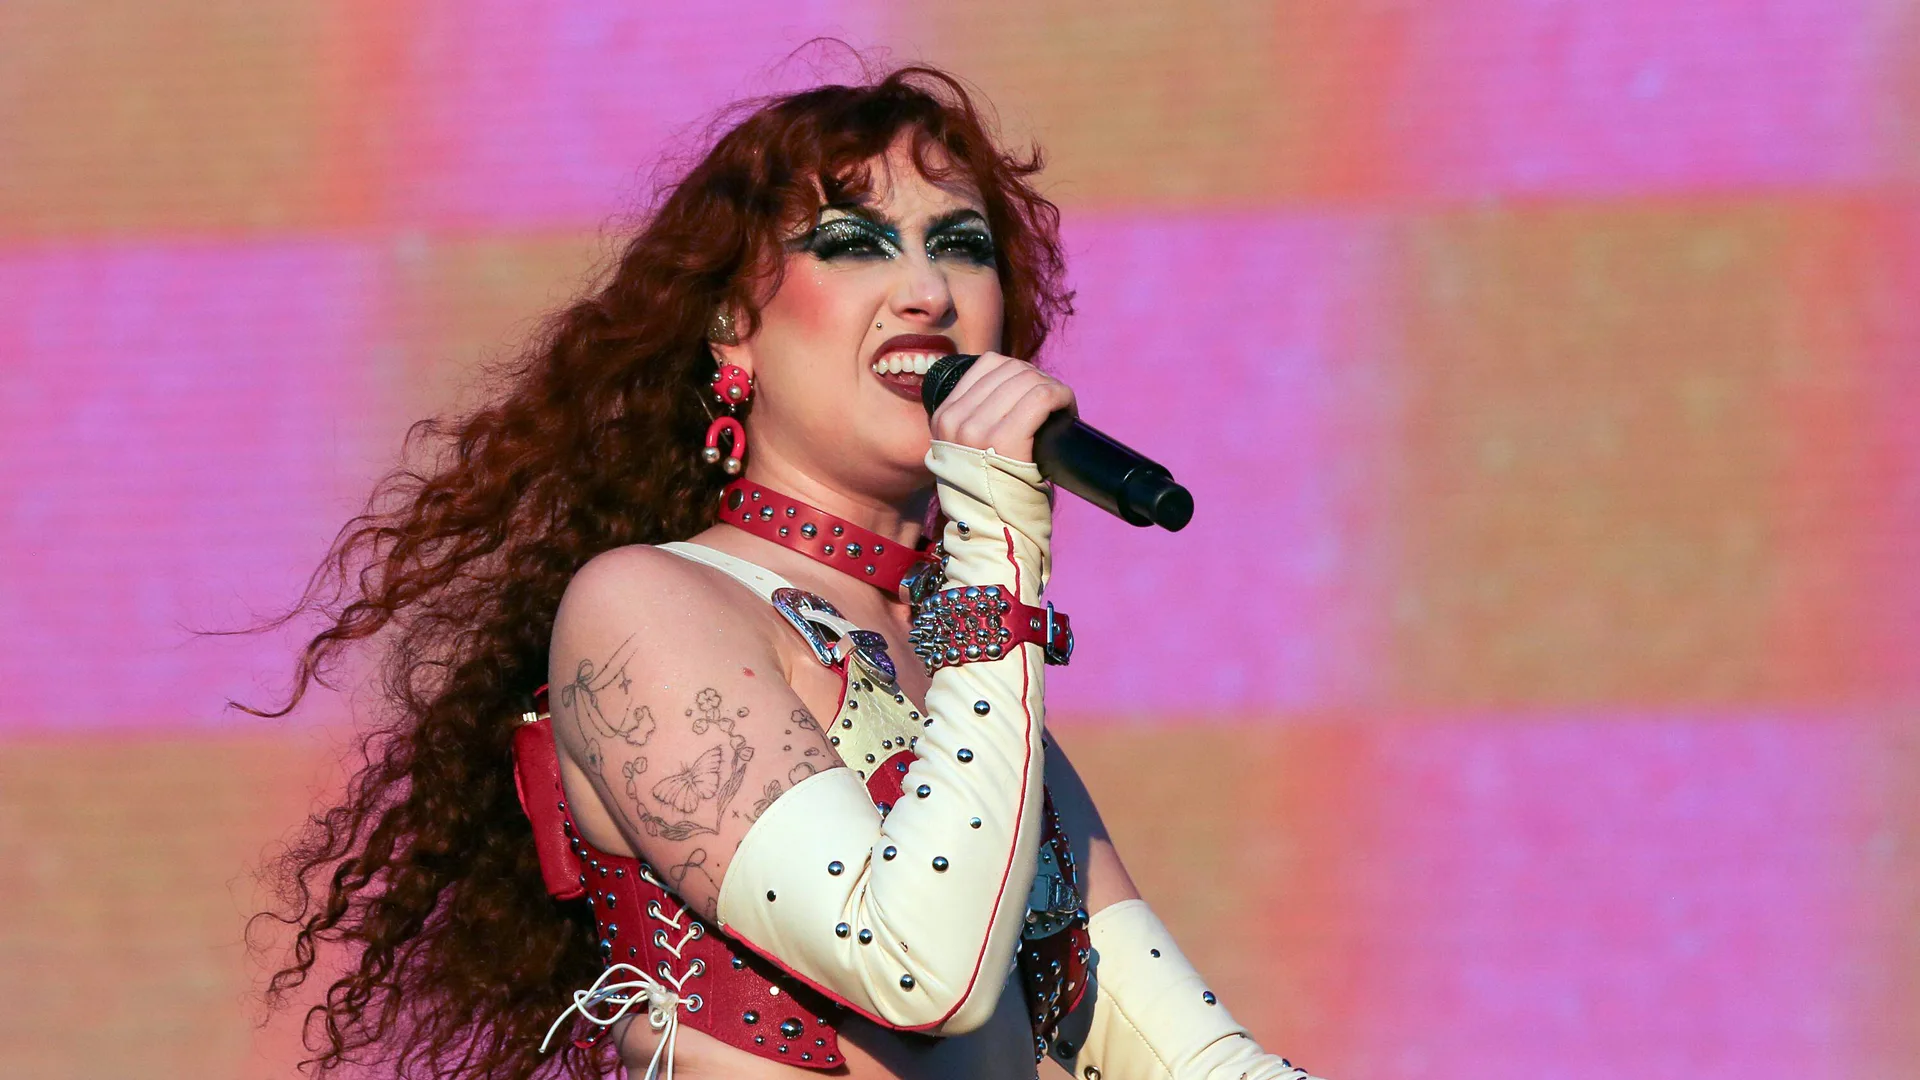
[
  {"x": 600, "y": 699},
  {"x": 693, "y": 798},
  {"x": 803, "y": 720},
  {"x": 677, "y": 879}
]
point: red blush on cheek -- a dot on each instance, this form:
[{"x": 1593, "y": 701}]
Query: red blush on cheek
[{"x": 821, "y": 304}]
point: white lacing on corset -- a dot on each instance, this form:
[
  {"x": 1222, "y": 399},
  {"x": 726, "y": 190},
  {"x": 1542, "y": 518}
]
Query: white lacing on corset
[{"x": 663, "y": 996}]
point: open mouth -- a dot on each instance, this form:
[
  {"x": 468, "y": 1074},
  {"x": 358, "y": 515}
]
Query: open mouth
[{"x": 903, "y": 362}]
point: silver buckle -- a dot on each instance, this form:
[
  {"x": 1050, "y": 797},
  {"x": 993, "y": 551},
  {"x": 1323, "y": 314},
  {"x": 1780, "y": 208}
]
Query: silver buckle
[
  {"x": 794, "y": 605},
  {"x": 867, "y": 647},
  {"x": 920, "y": 581},
  {"x": 1064, "y": 652}
]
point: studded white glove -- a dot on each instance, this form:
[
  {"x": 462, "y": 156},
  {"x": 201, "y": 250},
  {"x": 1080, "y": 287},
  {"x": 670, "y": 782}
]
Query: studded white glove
[
  {"x": 914, "y": 919},
  {"x": 1148, "y": 1015}
]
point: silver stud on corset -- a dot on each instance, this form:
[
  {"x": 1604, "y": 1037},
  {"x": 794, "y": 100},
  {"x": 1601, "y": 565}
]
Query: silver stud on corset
[
  {"x": 906, "y": 982},
  {"x": 923, "y": 790},
  {"x": 965, "y": 755},
  {"x": 866, "y": 937},
  {"x": 808, "y": 530},
  {"x": 890, "y": 852},
  {"x": 940, "y": 863},
  {"x": 981, "y": 708},
  {"x": 842, "y": 930},
  {"x": 835, "y": 867}
]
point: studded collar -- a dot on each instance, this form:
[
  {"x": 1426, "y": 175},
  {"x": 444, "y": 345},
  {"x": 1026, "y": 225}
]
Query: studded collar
[{"x": 908, "y": 572}]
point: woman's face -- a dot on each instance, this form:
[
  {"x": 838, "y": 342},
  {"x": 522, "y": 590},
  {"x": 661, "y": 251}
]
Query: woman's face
[{"x": 872, "y": 293}]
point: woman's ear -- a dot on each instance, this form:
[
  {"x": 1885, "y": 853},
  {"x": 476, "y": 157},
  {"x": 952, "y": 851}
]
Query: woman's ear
[{"x": 724, "y": 340}]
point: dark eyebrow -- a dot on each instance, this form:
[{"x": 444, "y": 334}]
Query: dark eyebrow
[
  {"x": 945, "y": 221},
  {"x": 955, "y": 217},
  {"x": 863, "y": 212}
]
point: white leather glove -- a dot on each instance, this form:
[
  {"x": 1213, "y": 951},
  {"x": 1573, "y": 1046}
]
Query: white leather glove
[
  {"x": 914, "y": 919},
  {"x": 1148, "y": 1015}
]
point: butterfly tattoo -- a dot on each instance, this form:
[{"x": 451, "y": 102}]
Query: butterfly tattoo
[
  {"x": 697, "y": 793},
  {"x": 694, "y": 784}
]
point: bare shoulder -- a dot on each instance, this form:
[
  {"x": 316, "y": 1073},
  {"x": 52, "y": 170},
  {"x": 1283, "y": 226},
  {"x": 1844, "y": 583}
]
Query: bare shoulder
[
  {"x": 636, "y": 624},
  {"x": 667, "y": 691},
  {"x": 647, "y": 590}
]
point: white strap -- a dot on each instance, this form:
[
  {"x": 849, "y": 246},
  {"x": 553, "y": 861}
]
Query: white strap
[
  {"x": 765, "y": 582},
  {"x": 752, "y": 575}
]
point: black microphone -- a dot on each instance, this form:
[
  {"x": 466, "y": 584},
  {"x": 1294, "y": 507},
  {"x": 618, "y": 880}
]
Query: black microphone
[{"x": 1117, "y": 479}]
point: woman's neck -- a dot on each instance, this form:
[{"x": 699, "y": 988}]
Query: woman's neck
[{"x": 899, "y": 520}]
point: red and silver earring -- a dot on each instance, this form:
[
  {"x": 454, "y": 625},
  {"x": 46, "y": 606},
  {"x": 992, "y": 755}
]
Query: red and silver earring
[{"x": 733, "y": 386}]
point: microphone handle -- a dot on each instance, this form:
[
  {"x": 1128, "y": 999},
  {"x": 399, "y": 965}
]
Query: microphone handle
[
  {"x": 1109, "y": 474},
  {"x": 1098, "y": 468}
]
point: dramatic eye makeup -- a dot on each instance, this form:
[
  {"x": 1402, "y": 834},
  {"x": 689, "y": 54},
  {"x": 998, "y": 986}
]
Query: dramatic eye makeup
[
  {"x": 963, "y": 234},
  {"x": 848, "y": 233},
  {"x": 849, "y": 236}
]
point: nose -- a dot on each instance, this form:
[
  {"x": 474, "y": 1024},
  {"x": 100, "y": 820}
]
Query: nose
[{"x": 922, "y": 293}]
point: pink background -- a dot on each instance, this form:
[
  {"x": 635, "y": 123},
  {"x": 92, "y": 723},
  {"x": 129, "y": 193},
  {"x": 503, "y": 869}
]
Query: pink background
[{"x": 1531, "y": 696}]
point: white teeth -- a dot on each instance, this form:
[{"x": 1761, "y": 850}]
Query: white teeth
[{"x": 897, "y": 363}]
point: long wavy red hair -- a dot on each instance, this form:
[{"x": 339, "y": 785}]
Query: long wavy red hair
[{"x": 423, "y": 878}]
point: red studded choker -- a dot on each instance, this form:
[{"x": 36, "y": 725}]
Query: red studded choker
[{"x": 862, "y": 553}]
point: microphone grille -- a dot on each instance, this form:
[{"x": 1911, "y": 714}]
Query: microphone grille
[{"x": 941, "y": 378}]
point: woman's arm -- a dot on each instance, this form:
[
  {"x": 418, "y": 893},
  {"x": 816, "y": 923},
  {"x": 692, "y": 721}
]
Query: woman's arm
[{"x": 670, "y": 704}]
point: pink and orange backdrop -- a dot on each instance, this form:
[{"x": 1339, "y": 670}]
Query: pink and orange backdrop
[{"x": 1533, "y": 695}]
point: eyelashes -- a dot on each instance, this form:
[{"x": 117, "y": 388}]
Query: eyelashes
[
  {"x": 847, "y": 236},
  {"x": 971, "y": 244},
  {"x": 856, "y": 238}
]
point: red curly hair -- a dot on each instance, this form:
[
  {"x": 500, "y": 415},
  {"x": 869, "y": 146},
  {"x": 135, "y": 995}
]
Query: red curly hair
[{"x": 424, "y": 875}]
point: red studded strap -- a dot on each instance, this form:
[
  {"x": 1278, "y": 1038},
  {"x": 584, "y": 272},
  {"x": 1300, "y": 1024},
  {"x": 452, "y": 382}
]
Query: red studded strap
[
  {"x": 820, "y": 536},
  {"x": 984, "y": 622}
]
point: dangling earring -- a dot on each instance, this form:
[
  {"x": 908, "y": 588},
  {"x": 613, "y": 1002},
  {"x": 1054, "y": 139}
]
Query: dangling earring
[{"x": 733, "y": 386}]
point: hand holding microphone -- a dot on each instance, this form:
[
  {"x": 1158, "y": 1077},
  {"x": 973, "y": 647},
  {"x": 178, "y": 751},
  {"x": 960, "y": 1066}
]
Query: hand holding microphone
[{"x": 1008, "y": 404}]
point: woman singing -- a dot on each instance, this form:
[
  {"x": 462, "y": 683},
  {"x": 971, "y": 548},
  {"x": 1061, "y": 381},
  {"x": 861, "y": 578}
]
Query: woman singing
[{"x": 787, "y": 801}]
